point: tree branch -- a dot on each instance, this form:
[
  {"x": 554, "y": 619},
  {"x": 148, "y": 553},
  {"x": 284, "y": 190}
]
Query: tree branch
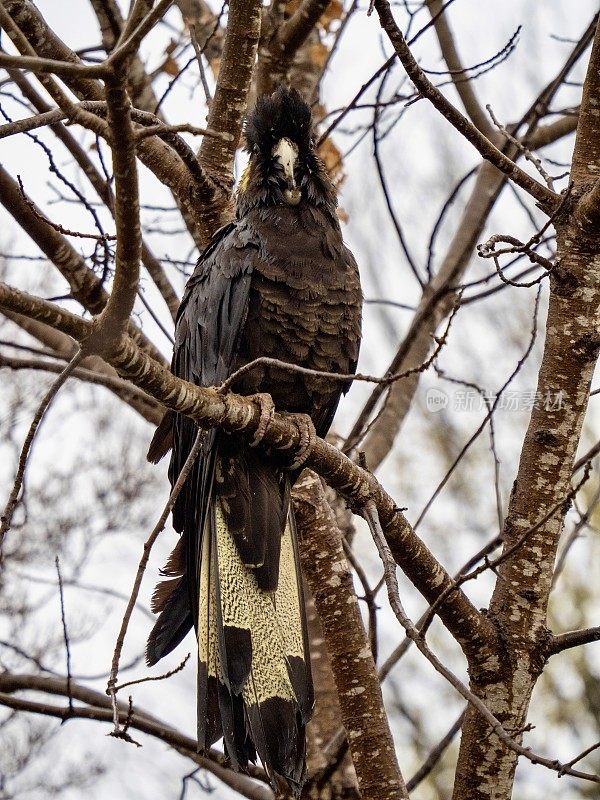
[
  {"x": 227, "y": 109},
  {"x": 520, "y": 598},
  {"x": 233, "y": 413},
  {"x": 295, "y": 30},
  {"x": 547, "y": 199},
  {"x": 85, "y": 287},
  {"x": 453, "y": 62},
  {"x": 145, "y": 405},
  {"x": 113, "y": 320},
  {"x": 38, "y": 38},
  {"x": 11, "y": 503},
  {"x": 438, "y": 298},
  {"x": 98, "y": 708},
  {"x": 363, "y": 713},
  {"x": 565, "y": 641}
]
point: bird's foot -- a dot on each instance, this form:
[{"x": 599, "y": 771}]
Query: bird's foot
[
  {"x": 308, "y": 438},
  {"x": 267, "y": 411}
]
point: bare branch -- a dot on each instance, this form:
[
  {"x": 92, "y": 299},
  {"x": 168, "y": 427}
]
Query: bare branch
[
  {"x": 451, "y": 57},
  {"x": 547, "y": 199},
  {"x": 209, "y": 407},
  {"x": 436, "y": 754},
  {"x": 85, "y": 287},
  {"x": 111, "y": 687},
  {"x": 370, "y": 513},
  {"x": 98, "y": 708},
  {"x": 146, "y": 405},
  {"x": 565, "y": 641},
  {"x": 361, "y": 703},
  {"x": 11, "y": 504}
]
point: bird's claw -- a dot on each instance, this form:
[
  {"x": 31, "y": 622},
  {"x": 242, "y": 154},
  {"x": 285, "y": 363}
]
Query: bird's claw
[
  {"x": 308, "y": 438},
  {"x": 267, "y": 411}
]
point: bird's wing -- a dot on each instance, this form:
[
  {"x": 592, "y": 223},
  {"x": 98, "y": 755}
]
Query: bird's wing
[{"x": 209, "y": 322}]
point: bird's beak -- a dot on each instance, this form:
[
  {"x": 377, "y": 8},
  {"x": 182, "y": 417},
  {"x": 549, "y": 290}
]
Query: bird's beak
[{"x": 286, "y": 152}]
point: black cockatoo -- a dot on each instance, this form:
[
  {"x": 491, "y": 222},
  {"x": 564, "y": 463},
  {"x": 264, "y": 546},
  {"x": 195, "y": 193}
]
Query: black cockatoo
[{"x": 278, "y": 282}]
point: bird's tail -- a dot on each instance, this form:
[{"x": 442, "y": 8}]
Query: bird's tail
[{"x": 254, "y": 680}]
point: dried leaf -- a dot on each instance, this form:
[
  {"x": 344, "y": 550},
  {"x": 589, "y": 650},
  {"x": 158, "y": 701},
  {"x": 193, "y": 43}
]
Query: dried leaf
[
  {"x": 170, "y": 47},
  {"x": 332, "y": 158},
  {"x": 319, "y": 112},
  {"x": 215, "y": 65},
  {"x": 170, "y": 66},
  {"x": 332, "y": 13},
  {"x": 318, "y": 53}
]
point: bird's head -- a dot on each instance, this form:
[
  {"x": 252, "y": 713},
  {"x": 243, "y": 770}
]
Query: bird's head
[{"x": 284, "y": 167}]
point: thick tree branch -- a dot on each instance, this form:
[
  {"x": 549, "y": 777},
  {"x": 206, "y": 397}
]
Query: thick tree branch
[
  {"x": 113, "y": 320},
  {"x": 295, "y": 30},
  {"x": 228, "y": 107},
  {"x": 233, "y": 413},
  {"x": 363, "y": 713}
]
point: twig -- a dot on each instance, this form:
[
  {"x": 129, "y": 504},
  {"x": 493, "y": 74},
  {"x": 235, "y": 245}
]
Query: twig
[
  {"x": 583, "y": 522},
  {"x": 369, "y": 596},
  {"x": 65, "y": 632},
  {"x": 57, "y": 227},
  {"x": 383, "y": 68},
  {"x": 428, "y": 615},
  {"x": 529, "y": 156},
  {"x": 161, "y": 130},
  {"x": 162, "y": 677},
  {"x": 7, "y": 514},
  {"x": 97, "y": 708},
  {"x": 199, "y": 52},
  {"x": 491, "y": 411},
  {"x": 123, "y": 733},
  {"x": 144, "y": 404},
  {"x": 384, "y": 187},
  {"x": 133, "y": 41},
  {"x": 111, "y": 688},
  {"x": 493, "y": 564},
  {"x": 581, "y": 755}
]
